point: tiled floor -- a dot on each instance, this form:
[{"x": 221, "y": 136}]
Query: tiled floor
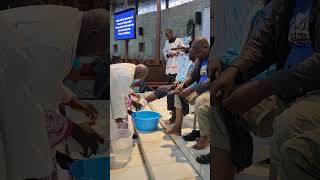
[
  {"x": 166, "y": 160},
  {"x": 135, "y": 169},
  {"x": 185, "y": 147},
  {"x": 136, "y": 172}
]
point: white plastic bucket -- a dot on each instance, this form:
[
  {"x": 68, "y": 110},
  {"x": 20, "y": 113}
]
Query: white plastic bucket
[{"x": 122, "y": 147}]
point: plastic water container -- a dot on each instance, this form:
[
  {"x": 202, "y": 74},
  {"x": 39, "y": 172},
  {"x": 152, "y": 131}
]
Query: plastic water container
[
  {"x": 96, "y": 168},
  {"x": 122, "y": 147},
  {"x": 146, "y": 121}
]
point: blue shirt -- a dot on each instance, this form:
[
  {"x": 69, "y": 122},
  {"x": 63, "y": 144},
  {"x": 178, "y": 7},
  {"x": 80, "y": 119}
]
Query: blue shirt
[
  {"x": 299, "y": 36},
  {"x": 203, "y": 70}
]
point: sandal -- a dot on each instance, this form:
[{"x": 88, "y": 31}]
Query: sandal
[
  {"x": 195, "y": 134},
  {"x": 204, "y": 159}
]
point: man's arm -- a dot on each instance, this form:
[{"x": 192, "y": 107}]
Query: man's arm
[
  {"x": 190, "y": 76},
  {"x": 299, "y": 80},
  {"x": 255, "y": 56}
]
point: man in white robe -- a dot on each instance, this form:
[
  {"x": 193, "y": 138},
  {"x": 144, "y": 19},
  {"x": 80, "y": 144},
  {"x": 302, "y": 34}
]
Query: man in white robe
[
  {"x": 171, "y": 55},
  {"x": 121, "y": 79}
]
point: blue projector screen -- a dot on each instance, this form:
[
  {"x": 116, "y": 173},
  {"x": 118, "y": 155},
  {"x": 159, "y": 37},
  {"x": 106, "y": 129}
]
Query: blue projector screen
[{"x": 125, "y": 24}]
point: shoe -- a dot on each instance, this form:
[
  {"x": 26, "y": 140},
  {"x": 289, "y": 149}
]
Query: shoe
[
  {"x": 195, "y": 134},
  {"x": 134, "y": 136},
  {"x": 204, "y": 159}
]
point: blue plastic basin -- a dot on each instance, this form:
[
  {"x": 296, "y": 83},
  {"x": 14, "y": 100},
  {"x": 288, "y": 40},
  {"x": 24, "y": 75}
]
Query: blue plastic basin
[
  {"x": 146, "y": 121},
  {"x": 91, "y": 169}
]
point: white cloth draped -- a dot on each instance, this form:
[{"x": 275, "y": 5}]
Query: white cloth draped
[
  {"x": 38, "y": 44},
  {"x": 121, "y": 78}
]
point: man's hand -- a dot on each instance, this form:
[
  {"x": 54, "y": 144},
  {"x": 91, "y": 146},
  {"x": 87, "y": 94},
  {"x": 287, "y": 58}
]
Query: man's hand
[
  {"x": 186, "y": 92},
  {"x": 174, "y": 84},
  {"x": 135, "y": 95},
  {"x": 247, "y": 96},
  {"x": 179, "y": 88},
  {"x": 172, "y": 55},
  {"x": 224, "y": 84},
  {"x": 90, "y": 110},
  {"x": 137, "y": 105},
  {"x": 215, "y": 69},
  {"x": 87, "y": 138},
  {"x": 84, "y": 107}
]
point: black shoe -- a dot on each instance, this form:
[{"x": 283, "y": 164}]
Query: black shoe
[
  {"x": 204, "y": 159},
  {"x": 134, "y": 136},
  {"x": 195, "y": 134}
]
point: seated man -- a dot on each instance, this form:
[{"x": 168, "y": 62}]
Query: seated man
[
  {"x": 216, "y": 66},
  {"x": 302, "y": 150},
  {"x": 163, "y": 91},
  {"x": 200, "y": 48},
  {"x": 299, "y": 76}
]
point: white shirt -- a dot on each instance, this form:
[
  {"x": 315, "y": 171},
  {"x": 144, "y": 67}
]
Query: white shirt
[{"x": 171, "y": 66}]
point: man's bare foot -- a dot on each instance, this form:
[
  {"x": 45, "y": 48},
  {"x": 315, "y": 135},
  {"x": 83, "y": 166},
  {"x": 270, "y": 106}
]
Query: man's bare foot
[
  {"x": 173, "y": 131},
  {"x": 202, "y": 143},
  {"x": 170, "y": 121}
]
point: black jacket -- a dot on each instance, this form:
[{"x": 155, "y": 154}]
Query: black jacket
[{"x": 271, "y": 46}]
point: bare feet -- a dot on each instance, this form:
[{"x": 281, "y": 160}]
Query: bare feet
[
  {"x": 173, "y": 131},
  {"x": 171, "y": 120},
  {"x": 202, "y": 143}
]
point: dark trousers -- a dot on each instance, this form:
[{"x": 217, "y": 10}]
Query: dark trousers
[
  {"x": 171, "y": 78},
  {"x": 162, "y": 91}
]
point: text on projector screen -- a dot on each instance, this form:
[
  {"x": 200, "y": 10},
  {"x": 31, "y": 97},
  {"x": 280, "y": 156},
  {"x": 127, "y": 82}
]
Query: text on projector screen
[{"x": 125, "y": 25}]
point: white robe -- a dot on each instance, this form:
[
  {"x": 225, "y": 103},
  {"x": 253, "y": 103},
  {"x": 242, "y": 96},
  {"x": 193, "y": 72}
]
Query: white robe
[
  {"x": 171, "y": 65},
  {"x": 121, "y": 78},
  {"x": 37, "y": 46}
]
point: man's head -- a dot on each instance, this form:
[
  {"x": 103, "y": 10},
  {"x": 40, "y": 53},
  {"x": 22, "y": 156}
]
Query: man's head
[
  {"x": 116, "y": 59},
  {"x": 200, "y": 48},
  {"x": 169, "y": 34},
  {"x": 94, "y": 32},
  {"x": 141, "y": 72}
]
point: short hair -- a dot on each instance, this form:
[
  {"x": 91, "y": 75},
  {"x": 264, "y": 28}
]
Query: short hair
[{"x": 169, "y": 30}]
